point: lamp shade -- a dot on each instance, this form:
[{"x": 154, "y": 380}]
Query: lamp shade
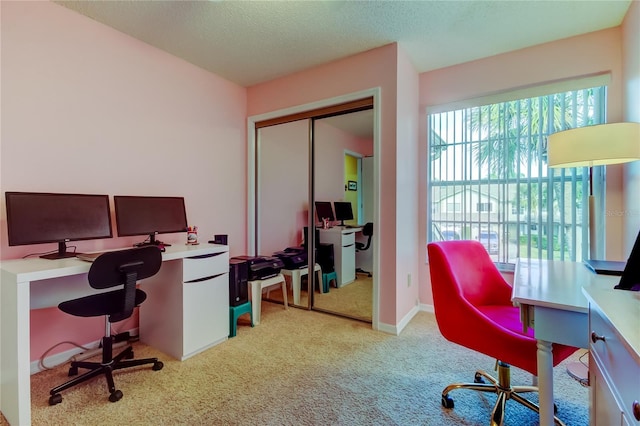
[{"x": 594, "y": 145}]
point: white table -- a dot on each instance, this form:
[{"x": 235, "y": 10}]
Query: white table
[
  {"x": 190, "y": 274},
  {"x": 551, "y": 302},
  {"x": 296, "y": 278},
  {"x": 256, "y": 294}
]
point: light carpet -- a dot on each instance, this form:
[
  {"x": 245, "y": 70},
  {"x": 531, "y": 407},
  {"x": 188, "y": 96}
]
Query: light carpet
[{"x": 301, "y": 367}]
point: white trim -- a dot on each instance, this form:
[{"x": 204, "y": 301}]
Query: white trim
[{"x": 251, "y": 172}]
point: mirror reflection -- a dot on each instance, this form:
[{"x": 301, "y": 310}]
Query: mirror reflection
[{"x": 343, "y": 186}]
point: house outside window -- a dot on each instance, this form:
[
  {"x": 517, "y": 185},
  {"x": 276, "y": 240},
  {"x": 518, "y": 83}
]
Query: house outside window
[
  {"x": 491, "y": 161},
  {"x": 483, "y": 207}
]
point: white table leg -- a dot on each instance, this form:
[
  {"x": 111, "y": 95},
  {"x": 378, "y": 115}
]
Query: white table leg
[
  {"x": 256, "y": 300},
  {"x": 545, "y": 382},
  {"x": 285, "y": 297},
  {"x": 15, "y": 370},
  {"x": 296, "y": 277}
]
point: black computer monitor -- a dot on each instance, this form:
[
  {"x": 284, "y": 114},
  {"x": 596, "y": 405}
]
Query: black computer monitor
[
  {"x": 145, "y": 215},
  {"x": 324, "y": 211},
  {"x": 343, "y": 211},
  {"x": 40, "y": 217},
  {"x": 630, "y": 279}
]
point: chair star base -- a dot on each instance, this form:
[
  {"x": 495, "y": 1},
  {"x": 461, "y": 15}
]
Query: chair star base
[{"x": 502, "y": 387}]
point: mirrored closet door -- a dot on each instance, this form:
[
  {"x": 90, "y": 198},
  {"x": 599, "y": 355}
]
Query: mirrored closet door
[{"x": 318, "y": 159}]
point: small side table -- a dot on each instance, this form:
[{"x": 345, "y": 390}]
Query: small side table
[
  {"x": 256, "y": 294},
  {"x": 296, "y": 278}
]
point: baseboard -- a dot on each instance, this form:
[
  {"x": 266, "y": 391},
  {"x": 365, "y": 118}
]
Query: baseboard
[
  {"x": 427, "y": 308},
  {"x": 396, "y": 329},
  {"x": 62, "y": 357}
]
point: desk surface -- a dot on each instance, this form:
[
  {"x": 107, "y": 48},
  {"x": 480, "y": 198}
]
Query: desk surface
[
  {"x": 342, "y": 229},
  {"x": 33, "y": 269},
  {"x": 556, "y": 284}
]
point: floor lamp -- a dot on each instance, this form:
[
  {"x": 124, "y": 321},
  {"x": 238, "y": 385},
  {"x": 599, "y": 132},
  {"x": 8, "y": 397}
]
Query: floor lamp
[
  {"x": 587, "y": 147},
  {"x": 594, "y": 146}
]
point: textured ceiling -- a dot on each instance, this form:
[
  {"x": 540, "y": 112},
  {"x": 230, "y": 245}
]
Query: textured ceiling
[{"x": 249, "y": 42}]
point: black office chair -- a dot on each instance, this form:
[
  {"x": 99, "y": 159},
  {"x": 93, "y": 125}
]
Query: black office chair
[
  {"x": 117, "y": 268},
  {"x": 367, "y": 231}
]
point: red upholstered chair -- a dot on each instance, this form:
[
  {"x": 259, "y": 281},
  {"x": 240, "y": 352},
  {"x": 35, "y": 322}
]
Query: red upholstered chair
[{"x": 473, "y": 308}]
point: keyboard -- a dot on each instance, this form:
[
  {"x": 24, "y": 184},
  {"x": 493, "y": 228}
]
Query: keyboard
[{"x": 88, "y": 257}]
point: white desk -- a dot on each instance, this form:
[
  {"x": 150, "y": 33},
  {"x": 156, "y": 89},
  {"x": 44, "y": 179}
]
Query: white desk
[
  {"x": 190, "y": 275},
  {"x": 552, "y": 303},
  {"x": 344, "y": 251}
]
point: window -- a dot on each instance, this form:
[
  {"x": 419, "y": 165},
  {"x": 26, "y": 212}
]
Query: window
[
  {"x": 483, "y": 207},
  {"x": 491, "y": 160}
]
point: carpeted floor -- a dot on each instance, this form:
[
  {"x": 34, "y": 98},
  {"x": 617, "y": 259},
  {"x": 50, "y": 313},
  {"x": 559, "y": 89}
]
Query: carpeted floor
[
  {"x": 302, "y": 368},
  {"x": 354, "y": 299}
]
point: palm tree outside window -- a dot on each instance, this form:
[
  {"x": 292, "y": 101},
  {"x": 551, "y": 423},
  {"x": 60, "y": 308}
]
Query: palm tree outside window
[{"x": 490, "y": 161}]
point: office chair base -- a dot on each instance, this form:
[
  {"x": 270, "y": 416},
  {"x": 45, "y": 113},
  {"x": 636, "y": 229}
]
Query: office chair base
[
  {"x": 502, "y": 387},
  {"x": 362, "y": 271},
  {"x": 106, "y": 367}
]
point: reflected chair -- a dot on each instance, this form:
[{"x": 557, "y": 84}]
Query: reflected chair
[
  {"x": 367, "y": 231},
  {"x": 473, "y": 308},
  {"x": 122, "y": 269}
]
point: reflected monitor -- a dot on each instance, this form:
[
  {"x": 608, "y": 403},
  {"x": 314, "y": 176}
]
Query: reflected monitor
[
  {"x": 324, "y": 211},
  {"x": 343, "y": 211}
]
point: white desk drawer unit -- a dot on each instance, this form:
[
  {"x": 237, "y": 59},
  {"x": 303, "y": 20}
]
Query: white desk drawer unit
[
  {"x": 344, "y": 250},
  {"x": 205, "y": 265},
  {"x": 614, "y": 358},
  {"x": 183, "y": 320}
]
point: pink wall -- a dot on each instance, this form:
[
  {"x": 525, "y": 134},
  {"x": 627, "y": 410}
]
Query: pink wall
[
  {"x": 631, "y": 71},
  {"x": 87, "y": 109},
  {"x": 592, "y": 53},
  {"x": 407, "y": 196},
  {"x": 371, "y": 69}
]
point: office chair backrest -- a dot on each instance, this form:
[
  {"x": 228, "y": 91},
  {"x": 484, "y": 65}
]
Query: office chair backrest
[
  {"x": 125, "y": 268},
  {"x": 469, "y": 295},
  {"x": 367, "y": 231},
  {"x": 465, "y": 269}
]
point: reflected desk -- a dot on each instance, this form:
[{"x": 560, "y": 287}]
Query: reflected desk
[
  {"x": 186, "y": 311},
  {"x": 551, "y": 301},
  {"x": 344, "y": 251}
]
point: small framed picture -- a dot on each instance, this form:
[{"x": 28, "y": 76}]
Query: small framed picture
[{"x": 353, "y": 185}]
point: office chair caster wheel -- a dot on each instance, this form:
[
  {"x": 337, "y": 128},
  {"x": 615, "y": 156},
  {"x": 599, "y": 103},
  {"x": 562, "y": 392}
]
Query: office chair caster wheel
[
  {"x": 157, "y": 366},
  {"x": 129, "y": 355},
  {"x": 55, "y": 399},
  {"x": 447, "y": 401},
  {"x": 115, "y": 396},
  {"x": 478, "y": 378},
  {"x": 73, "y": 371}
]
